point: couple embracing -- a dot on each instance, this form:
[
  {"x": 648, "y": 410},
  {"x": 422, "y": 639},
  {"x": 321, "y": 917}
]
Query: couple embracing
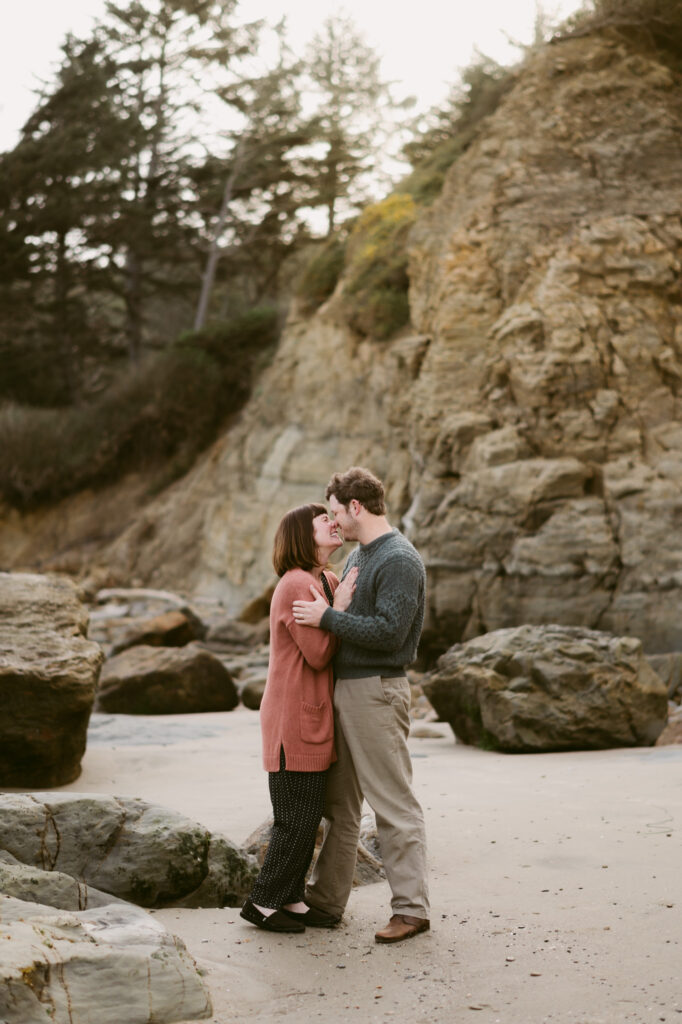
[{"x": 334, "y": 715}]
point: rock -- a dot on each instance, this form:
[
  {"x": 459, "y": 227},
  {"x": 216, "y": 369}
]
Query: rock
[
  {"x": 123, "y": 618},
  {"x": 542, "y": 688},
  {"x": 170, "y": 629},
  {"x": 51, "y": 888},
  {"x": 140, "y": 852},
  {"x": 368, "y": 866},
  {"x": 111, "y": 965},
  {"x": 673, "y": 730},
  {"x": 252, "y": 692},
  {"x": 669, "y": 668},
  {"x": 231, "y": 634},
  {"x": 164, "y": 681},
  {"x": 48, "y": 675}
]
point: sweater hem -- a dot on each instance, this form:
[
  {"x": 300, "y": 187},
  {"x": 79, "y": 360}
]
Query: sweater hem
[{"x": 365, "y": 671}]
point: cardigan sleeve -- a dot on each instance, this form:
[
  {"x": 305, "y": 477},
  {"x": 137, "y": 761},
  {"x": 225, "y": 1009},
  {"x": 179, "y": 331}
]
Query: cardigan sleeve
[{"x": 317, "y": 646}]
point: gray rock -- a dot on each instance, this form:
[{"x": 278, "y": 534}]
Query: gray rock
[
  {"x": 169, "y": 629},
  {"x": 51, "y": 888},
  {"x": 140, "y": 852},
  {"x": 541, "y": 688},
  {"x": 113, "y": 965},
  {"x": 252, "y": 692},
  {"x": 48, "y": 675},
  {"x": 163, "y": 681},
  {"x": 368, "y": 866}
]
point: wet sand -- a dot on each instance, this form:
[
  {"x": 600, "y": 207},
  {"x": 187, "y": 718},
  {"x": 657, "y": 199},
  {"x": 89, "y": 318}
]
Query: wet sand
[{"x": 556, "y": 883}]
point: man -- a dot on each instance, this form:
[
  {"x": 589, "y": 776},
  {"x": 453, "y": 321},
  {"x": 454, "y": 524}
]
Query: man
[{"x": 379, "y": 634}]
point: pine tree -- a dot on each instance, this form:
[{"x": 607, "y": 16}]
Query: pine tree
[
  {"x": 263, "y": 183},
  {"x": 353, "y": 104}
]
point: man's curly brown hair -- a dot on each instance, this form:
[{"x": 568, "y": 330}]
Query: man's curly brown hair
[{"x": 359, "y": 484}]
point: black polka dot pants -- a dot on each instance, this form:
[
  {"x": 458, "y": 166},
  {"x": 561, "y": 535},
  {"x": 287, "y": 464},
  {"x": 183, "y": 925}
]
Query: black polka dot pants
[{"x": 297, "y": 804}]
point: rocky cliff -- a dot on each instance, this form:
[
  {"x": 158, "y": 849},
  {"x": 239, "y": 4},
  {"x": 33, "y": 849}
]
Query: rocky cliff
[{"x": 529, "y": 424}]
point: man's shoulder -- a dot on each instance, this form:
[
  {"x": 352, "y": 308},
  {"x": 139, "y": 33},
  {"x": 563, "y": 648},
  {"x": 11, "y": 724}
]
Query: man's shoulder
[{"x": 398, "y": 546}]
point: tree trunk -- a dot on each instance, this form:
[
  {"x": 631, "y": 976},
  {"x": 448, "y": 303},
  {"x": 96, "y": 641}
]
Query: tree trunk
[
  {"x": 133, "y": 301},
  {"x": 208, "y": 278}
]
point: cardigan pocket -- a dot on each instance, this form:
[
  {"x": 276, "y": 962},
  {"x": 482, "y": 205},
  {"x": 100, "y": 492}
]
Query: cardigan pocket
[{"x": 316, "y": 723}]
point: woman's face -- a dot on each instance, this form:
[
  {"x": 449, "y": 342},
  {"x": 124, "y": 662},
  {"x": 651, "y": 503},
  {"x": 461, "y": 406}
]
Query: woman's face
[{"x": 326, "y": 536}]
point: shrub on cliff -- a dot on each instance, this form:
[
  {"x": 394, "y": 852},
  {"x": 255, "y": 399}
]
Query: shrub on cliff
[
  {"x": 448, "y": 132},
  {"x": 656, "y": 23},
  {"x": 375, "y": 293},
  {"x": 162, "y": 412}
]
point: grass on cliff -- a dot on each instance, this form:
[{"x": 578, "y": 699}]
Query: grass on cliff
[{"x": 162, "y": 412}]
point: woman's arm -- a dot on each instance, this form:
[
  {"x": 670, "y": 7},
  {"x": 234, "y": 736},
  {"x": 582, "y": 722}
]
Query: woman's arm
[{"x": 317, "y": 646}]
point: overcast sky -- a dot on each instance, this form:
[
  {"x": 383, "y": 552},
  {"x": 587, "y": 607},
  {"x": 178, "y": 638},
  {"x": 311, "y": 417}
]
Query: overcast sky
[{"x": 421, "y": 48}]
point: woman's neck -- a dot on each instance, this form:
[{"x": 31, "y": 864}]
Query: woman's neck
[{"x": 317, "y": 571}]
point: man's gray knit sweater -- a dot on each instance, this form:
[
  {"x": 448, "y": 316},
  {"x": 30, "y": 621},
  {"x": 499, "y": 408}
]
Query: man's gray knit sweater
[{"x": 380, "y": 630}]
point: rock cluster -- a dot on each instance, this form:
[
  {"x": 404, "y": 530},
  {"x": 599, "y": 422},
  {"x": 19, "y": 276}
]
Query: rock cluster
[
  {"x": 167, "y": 657},
  {"x": 542, "y": 688}
]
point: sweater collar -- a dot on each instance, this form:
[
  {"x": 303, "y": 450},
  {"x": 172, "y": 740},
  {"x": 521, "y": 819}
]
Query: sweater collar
[{"x": 378, "y": 541}]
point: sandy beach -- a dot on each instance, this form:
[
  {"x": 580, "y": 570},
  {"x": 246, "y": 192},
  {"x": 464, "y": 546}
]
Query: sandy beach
[{"x": 555, "y": 881}]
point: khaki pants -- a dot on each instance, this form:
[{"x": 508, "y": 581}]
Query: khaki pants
[{"x": 372, "y": 723}]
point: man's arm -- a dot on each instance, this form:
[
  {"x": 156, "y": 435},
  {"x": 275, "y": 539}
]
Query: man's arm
[{"x": 397, "y": 593}]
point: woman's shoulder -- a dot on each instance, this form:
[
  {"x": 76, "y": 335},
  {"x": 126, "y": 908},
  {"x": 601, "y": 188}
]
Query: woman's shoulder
[{"x": 294, "y": 580}]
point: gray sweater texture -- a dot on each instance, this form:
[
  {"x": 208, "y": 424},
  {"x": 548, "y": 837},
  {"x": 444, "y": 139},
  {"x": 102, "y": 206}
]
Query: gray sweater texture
[{"x": 380, "y": 630}]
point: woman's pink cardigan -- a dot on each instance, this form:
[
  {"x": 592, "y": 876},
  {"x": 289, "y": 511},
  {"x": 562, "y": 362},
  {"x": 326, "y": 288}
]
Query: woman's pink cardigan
[{"x": 297, "y": 710}]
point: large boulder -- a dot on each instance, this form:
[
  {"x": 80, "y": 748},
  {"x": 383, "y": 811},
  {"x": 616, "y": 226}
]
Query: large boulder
[
  {"x": 113, "y": 965},
  {"x": 541, "y": 688},
  {"x": 137, "y": 851},
  {"x": 165, "y": 681},
  {"x": 48, "y": 676}
]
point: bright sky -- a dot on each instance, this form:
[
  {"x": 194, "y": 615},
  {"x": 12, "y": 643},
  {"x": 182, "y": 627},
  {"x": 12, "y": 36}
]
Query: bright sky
[{"x": 421, "y": 48}]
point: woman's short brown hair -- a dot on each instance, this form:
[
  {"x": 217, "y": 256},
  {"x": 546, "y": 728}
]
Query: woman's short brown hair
[
  {"x": 294, "y": 546},
  {"x": 359, "y": 484}
]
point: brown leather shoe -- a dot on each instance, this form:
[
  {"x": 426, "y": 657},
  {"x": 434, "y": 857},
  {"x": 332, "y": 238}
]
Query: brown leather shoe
[{"x": 402, "y": 926}]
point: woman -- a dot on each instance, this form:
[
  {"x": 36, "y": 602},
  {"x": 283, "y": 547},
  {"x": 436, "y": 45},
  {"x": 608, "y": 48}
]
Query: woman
[{"x": 297, "y": 719}]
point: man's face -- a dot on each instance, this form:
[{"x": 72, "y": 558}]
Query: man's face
[{"x": 343, "y": 518}]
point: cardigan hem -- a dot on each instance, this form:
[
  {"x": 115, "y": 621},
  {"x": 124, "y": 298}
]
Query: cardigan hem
[{"x": 299, "y": 762}]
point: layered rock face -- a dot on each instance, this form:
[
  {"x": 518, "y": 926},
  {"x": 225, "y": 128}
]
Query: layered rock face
[
  {"x": 548, "y": 280},
  {"x": 48, "y": 675},
  {"x": 529, "y": 424}
]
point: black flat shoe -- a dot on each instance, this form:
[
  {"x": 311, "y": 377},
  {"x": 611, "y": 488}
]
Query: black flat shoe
[
  {"x": 313, "y": 917},
  {"x": 277, "y": 922}
]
